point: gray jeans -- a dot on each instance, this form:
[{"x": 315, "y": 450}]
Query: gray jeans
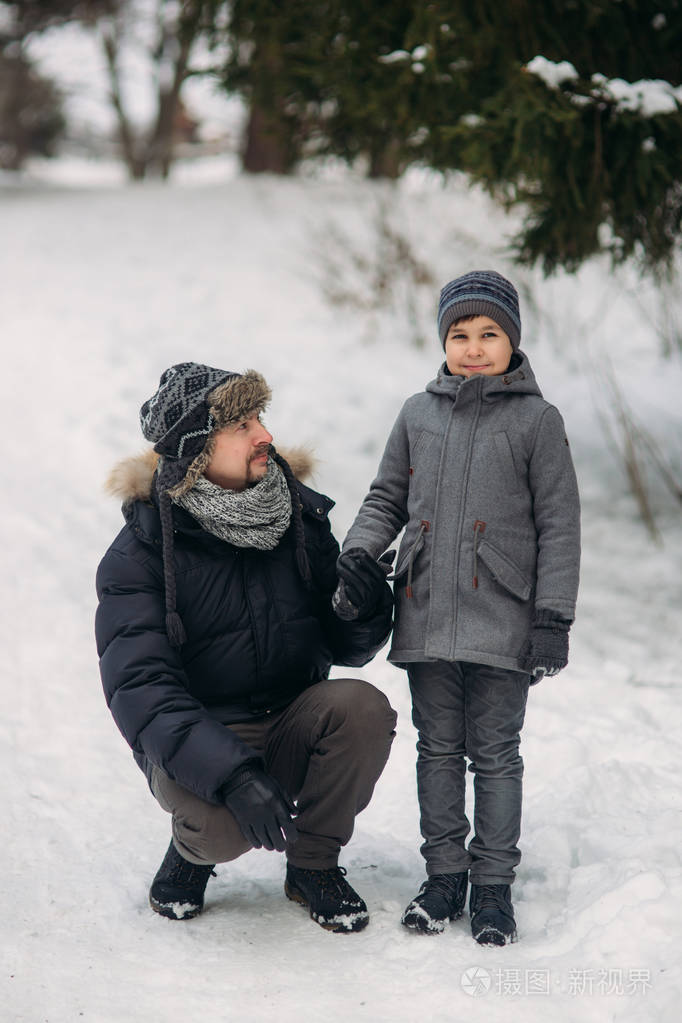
[
  {"x": 469, "y": 711},
  {"x": 326, "y": 749}
]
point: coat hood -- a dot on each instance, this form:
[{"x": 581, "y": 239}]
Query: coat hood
[
  {"x": 519, "y": 379},
  {"x": 131, "y": 478}
]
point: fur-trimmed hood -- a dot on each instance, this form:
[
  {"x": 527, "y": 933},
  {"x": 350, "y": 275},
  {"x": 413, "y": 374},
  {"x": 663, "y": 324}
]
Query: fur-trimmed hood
[{"x": 131, "y": 478}]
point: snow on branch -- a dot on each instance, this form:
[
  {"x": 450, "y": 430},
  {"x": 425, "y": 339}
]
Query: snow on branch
[
  {"x": 648, "y": 97},
  {"x": 551, "y": 73},
  {"x": 416, "y": 56}
]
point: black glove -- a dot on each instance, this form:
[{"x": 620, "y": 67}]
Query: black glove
[
  {"x": 547, "y": 649},
  {"x": 261, "y": 808},
  {"x": 361, "y": 582}
]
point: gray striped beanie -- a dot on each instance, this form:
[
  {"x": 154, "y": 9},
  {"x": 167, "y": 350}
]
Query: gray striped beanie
[{"x": 481, "y": 293}]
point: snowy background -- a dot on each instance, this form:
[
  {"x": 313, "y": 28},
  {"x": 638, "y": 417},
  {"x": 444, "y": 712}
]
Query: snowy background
[{"x": 103, "y": 286}]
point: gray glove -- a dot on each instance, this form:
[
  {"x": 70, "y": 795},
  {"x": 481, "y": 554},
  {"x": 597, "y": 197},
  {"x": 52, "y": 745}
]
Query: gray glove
[{"x": 261, "y": 808}]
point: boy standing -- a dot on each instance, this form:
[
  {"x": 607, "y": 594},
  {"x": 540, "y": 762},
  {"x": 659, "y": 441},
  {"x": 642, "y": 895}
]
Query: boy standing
[{"x": 478, "y": 470}]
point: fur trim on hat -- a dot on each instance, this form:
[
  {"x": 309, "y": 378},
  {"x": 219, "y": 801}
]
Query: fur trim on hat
[
  {"x": 131, "y": 478},
  {"x": 240, "y": 398}
]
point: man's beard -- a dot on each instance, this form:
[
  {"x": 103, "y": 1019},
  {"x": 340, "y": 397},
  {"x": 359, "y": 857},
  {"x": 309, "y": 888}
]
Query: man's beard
[{"x": 252, "y": 481}]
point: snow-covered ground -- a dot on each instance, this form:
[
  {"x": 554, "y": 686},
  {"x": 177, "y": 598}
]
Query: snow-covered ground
[{"x": 102, "y": 288}]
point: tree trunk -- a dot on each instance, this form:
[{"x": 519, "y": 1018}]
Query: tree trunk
[
  {"x": 160, "y": 150},
  {"x": 385, "y": 160},
  {"x": 13, "y": 147},
  {"x": 152, "y": 154},
  {"x": 266, "y": 148},
  {"x": 135, "y": 163}
]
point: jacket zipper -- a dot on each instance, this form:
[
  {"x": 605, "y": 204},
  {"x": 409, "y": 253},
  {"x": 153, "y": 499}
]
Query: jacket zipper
[
  {"x": 465, "y": 488},
  {"x": 252, "y": 619}
]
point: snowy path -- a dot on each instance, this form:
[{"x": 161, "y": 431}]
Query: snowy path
[{"x": 101, "y": 290}]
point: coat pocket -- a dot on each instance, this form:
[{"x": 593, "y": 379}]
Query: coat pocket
[
  {"x": 420, "y": 448},
  {"x": 408, "y": 553},
  {"x": 506, "y": 463},
  {"x": 506, "y": 572}
]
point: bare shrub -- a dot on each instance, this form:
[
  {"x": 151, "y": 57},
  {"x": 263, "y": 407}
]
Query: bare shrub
[
  {"x": 635, "y": 450},
  {"x": 384, "y": 275}
]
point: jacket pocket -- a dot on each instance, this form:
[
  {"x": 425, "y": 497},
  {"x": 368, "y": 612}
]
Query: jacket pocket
[
  {"x": 409, "y": 554},
  {"x": 406, "y": 561},
  {"x": 420, "y": 448},
  {"x": 504, "y": 571},
  {"x": 505, "y": 461}
]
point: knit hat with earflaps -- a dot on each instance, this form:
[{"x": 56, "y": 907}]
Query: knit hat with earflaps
[
  {"x": 481, "y": 293},
  {"x": 191, "y": 404}
]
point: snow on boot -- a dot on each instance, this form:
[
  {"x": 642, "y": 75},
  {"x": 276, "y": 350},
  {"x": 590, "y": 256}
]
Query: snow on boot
[
  {"x": 332, "y": 903},
  {"x": 492, "y": 914},
  {"x": 178, "y": 889},
  {"x": 441, "y": 897}
]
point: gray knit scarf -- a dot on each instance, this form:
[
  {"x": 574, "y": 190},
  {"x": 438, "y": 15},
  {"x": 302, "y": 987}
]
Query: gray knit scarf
[{"x": 256, "y": 517}]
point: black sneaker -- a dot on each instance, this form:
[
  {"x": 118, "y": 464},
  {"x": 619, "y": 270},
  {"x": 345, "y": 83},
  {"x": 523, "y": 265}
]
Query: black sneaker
[
  {"x": 178, "y": 889},
  {"x": 441, "y": 897},
  {"x": 492, "y": 914},
  {"x": 333, "y": 904}
]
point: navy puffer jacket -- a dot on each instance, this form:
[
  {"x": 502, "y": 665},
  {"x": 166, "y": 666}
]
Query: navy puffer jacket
[{"x": 256, "y": 638}]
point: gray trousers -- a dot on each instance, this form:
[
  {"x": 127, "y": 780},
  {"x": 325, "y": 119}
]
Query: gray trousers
[
  {"x": 469, "y": 711},
  {"x": 326, "y": 749}
]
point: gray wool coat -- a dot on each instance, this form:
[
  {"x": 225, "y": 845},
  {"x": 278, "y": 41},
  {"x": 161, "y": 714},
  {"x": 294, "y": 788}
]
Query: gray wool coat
[{"x": 479, "y": 473}]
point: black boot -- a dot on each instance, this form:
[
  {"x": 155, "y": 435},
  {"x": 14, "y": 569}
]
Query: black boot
[
  {"x": 333, "y": 904},
  {"x": 492, "y": 914},
  {"x": 441, "y": 897},
  {"x": 178, "y": 889}
]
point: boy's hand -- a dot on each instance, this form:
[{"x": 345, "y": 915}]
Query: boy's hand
[
  {"x": 361, "y": 583},
  {"x": 547, "y": 650}
]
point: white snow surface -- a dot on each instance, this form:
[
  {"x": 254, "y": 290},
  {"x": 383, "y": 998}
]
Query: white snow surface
[{"x": 103, "y": 287}]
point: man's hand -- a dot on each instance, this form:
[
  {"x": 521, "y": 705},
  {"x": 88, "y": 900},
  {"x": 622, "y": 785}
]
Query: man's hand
[
  {"x": 261, "y": 808},
  {"x": 547, "y": 649},
  {"x": 361, "y": 583}
]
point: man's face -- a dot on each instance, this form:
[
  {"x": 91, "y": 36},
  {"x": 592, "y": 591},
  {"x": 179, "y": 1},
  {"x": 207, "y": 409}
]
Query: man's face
[
  {"x": 477, "y": 346},
  {"x": 240, "y": 455}
]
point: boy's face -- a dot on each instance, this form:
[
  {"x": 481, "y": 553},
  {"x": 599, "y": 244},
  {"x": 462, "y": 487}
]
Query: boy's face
[{"x": 475, "y": 345}]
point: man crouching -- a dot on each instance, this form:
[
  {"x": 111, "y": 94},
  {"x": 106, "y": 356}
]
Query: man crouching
[{"x": 216, "y": 634}]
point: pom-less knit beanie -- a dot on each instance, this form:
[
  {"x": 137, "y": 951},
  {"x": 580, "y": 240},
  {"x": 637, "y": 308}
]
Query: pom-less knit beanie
[
  {"x": 481, "y": 293},
  {"x": 191, "y": 404}
]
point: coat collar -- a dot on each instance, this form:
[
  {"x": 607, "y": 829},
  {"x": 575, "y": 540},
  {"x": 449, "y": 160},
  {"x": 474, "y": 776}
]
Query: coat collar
[
  {"x": 519, "y": 379},
  {"x": 131, "y": 480}
]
